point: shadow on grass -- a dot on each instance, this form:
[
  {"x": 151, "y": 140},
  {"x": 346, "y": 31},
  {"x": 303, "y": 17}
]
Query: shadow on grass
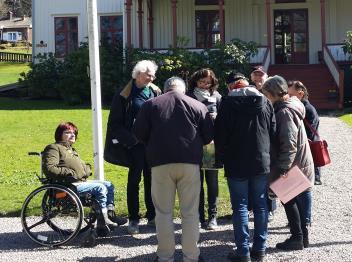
[{"x": 7, "y": 103}]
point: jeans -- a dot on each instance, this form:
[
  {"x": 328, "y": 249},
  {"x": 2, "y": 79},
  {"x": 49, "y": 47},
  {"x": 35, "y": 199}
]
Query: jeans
[
  {"x": 241, "y": 189},
  {"x": 138, "y": 165},
  {"x": 102, "y": 191},
  {"x": 304, "y": 204},
  {"x": 317, "y": 173},
  {"x": 211, "y": 178}
]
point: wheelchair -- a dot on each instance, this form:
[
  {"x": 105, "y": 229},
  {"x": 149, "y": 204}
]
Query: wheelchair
[{"x": 54, "y": 214}]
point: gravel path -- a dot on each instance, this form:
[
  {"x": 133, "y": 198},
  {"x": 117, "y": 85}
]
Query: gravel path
[{"x": 331, "y": 231}]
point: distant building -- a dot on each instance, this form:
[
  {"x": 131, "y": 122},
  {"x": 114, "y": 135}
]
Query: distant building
[{"x": 16, "y": 29}]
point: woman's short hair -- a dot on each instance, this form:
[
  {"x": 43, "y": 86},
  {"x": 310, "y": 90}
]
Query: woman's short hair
[
  {"x": 62, "y": 127},
  {"x": 144, "y": 66},
  {"x": 299, "y": 86},
  {"x": 203, "y": 73},
  {"x": 276, "y": 86}
]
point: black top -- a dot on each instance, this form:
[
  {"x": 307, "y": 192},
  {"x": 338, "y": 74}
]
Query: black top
[
  {"x": 174, "y": 128},
  {"x": 244, "y": 129},
  {"x": 312, "y": 117}
]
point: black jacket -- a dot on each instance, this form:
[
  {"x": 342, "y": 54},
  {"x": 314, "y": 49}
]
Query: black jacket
[
  {"x": 174, "y": 128},
  {"x": 312, "y": 118},
  {"x": 244, "y": 128},
  {"x": 119, "y": 136}
]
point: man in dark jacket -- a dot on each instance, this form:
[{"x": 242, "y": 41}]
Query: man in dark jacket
[
  {"x": 244, "y": 128},
  {"x": 174, "y": 128}
]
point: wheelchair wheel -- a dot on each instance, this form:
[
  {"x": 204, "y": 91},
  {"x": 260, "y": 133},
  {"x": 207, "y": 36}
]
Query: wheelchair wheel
[{"x": 52, "y": 215}]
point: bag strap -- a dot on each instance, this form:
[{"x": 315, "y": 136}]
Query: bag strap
[{"x": 315, "y": 132}]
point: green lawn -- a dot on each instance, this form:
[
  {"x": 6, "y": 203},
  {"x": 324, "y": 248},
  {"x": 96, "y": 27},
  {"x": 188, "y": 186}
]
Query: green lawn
[
  {"x": 10, "y": 72},
  {"x": 16, "y": 49},
  {"x": 347, "y": 118},
  {"x": 29, "y": 126}
]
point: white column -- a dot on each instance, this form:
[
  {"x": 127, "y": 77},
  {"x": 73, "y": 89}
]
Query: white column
[{"x": 94, "y": 65}]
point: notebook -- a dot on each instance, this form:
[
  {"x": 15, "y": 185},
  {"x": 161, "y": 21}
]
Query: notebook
[{"x": 291, "y": 185}]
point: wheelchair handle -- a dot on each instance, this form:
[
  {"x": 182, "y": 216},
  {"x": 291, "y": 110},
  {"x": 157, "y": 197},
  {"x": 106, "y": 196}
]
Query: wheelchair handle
[{"x": 34, "y": 153}]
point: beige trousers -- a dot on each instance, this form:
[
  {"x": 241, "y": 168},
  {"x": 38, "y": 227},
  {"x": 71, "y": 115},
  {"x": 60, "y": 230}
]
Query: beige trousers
[{"x": 166, "y": 179}]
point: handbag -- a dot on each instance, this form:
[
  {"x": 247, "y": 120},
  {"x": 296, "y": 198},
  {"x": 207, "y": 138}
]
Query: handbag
[
  {"x": 117, "y": 154},
  {"x": 319, "y": 148}
]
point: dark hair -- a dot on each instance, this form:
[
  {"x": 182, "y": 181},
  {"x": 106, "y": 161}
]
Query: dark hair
[
  {"x": 202, "y": 73},
  {"x": 62, "y": 127},
  {"x": 299, "y": 86}
]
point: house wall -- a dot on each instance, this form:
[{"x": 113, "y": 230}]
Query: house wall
[
  {"x": 338, "y": 20},
  {"x": 244, "y": 19},
  {"x": 44, "y": 12}
]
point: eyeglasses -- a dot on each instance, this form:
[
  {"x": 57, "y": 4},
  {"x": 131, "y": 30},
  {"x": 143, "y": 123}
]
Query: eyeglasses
[
  {"x": 69, "y": 133},
  {"x": 204, "y": 82},
  {"x": 151, "y": 76}
]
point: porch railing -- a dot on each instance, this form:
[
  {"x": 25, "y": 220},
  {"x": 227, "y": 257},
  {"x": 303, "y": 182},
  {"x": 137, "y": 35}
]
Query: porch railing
[
  {"x": 338, "y": 53},
  {"x": 336, "y": 72},
  {"x": 15, "y": 57}
]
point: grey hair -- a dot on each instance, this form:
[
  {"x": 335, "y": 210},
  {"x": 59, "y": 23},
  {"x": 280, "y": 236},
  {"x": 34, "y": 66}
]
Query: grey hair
[
  {"x": 144, "y": 66},
  {"x": 175, "y": 83},
  {"x": 276, "y": 86}
]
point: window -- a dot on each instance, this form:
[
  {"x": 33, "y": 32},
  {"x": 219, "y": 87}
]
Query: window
[
  {"x": 207, "y": 28},
  {"x": 111, "y": 29},
  {"x": 66, "y": 35},
  {"x": 11, "y": 36},
  {"x": 289, "y": 1},
  {"x": 207, "y": 2}
]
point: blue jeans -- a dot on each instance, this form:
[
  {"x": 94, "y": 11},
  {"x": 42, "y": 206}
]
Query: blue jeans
[
  {"x": 241, "y": 189},
  {"x": 102, "y": 191},
  {"x": 304, "y": 204}
]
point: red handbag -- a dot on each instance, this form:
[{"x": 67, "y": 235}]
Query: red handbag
[{"x": 319, "y": 149}]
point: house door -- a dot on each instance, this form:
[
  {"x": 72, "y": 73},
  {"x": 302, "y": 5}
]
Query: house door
[{"x": 291, "y": 36}]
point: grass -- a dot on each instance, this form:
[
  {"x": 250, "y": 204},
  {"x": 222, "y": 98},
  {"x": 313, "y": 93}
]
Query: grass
[
  {"x": 10, "y": 72},
  {"x": 29, "y": 126},
  {"x": 347, "y": 118},
  {"x": 16, "y": 49}
]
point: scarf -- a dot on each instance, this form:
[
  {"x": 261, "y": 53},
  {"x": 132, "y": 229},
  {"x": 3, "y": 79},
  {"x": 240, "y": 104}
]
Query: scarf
[{"x": 203, "y": 95}]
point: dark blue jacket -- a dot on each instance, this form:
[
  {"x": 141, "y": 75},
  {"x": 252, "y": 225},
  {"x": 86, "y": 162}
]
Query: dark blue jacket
[
  {"x": 244, "y": 128},
  {"x": 312, "y": 117}
]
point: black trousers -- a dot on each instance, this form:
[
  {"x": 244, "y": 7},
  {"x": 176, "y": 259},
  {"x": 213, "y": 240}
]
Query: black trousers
[
  {"x": 211, "y": 178},
  {"x": 294, "y": 219},
  {"x": 139, "y": 165}
]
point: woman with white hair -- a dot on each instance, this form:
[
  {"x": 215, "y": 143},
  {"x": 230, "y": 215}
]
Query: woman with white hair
[{"x": 122, "y": 147}]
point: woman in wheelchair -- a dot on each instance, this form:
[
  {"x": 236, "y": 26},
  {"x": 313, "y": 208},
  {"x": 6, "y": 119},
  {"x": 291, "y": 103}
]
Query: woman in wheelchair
[{"x": 61, "y": 163}]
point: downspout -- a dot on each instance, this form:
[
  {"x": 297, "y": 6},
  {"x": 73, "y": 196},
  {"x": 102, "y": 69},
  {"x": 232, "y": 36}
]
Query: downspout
[
  {"x": 174, "y": 22},
  {"x": 222, "y": 21},
  {"x": 128, "y": 4},
  {"x": 268, "y": 24},
  {"x": 33, "y": 31},
  {"x": 140, "y": 22},
  {"x": 150, "y": 23}
]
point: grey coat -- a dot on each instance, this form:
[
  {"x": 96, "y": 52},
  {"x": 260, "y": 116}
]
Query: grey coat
[{"x": 290, "y": 146}]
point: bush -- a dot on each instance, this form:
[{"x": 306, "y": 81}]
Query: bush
[
  {"x": 68, "y": 79},
  {"x": 347, "y": 43},
  {"x": 182, "y": 62}
]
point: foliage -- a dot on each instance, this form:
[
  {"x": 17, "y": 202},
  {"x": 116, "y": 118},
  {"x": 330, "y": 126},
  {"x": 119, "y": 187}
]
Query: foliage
[
  {"x": 43, "y": 77},
  {"x": 183, "y": 62},
  {"x": 52, "y": 78},
  {"x": 347, "y": 43}
]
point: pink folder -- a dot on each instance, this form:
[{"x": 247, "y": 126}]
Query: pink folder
[{"x": 291, "y": 185}]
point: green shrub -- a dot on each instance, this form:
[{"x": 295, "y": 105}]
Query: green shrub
[
  {"x": 43, "y": 77},
  {"x": 68, "y": 79},
  {"x": 347, "y": 43}
]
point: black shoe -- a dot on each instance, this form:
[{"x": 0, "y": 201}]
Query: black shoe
[
  {"x": 290, "y": 244},
  {"x": 203, "y": 225},
  {"x": 257, "y": 256},
  {"x": 116, "y": 219},
  {"x": 317, "y": 182},
  {"x": 232, "y": 256}
]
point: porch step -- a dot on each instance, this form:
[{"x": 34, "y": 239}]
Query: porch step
[{"x": 316, "y": 78}]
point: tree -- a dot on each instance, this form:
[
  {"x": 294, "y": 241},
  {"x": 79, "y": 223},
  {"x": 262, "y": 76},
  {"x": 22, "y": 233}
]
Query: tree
[{"x": 19, "y": 7}]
